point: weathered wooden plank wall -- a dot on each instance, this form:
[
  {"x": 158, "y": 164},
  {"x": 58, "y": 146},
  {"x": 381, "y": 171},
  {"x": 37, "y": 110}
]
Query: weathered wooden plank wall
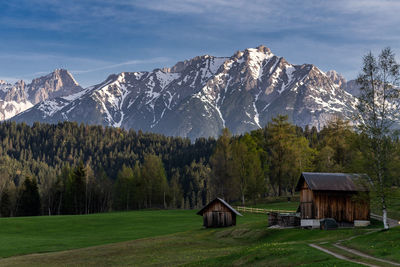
[
  {"x": 343, "y": 206},
  {"x": 218, "y": 215}
]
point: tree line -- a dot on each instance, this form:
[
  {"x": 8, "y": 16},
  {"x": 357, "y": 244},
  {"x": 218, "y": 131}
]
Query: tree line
[{"x": 95, "y": 169}]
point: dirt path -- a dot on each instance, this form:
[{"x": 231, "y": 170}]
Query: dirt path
[
  {"x": 358, "y": 253},
  {"x": 336, "y": 255},
  {"x": 392, "y": 223}
]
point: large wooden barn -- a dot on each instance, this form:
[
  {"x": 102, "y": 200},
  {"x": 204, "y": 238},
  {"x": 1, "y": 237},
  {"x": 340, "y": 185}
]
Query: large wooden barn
[
  {"x": 218, "y": 213},
  {"x": 332, "y": 195}
]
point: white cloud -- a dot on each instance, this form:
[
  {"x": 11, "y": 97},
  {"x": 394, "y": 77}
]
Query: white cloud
[{"x": 121, "y": 64}]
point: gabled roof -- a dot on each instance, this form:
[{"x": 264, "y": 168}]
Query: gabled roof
[
  {"x": 223, "y": 202},
  {"x": 332, "y": 181}
]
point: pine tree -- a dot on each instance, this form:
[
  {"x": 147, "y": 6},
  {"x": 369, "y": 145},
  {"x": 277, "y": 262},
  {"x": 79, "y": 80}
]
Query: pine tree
[
  {"x": 5, "y": 204},
  {"x": 77, "y": 189},
  {"x": 29, "y": 199}
]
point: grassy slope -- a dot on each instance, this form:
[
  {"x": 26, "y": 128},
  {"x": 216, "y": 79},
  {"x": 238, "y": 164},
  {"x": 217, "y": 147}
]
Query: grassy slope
[
  {"x": 25, "y": 235},
  {"x": 174, "y": 237},
  {"x": 42, "y": 234},
  {"x": 382, "y": 244},
  {"x": 249, "y": 243}
]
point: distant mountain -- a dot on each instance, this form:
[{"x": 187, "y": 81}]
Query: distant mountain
[
  {"x": 56, "y": 84},
  {"x": 12, "y": 99},
  {"x": 349, "y": 86},
  {"x": 15, "y": 98},
  {"x": 201, "y": 96}
]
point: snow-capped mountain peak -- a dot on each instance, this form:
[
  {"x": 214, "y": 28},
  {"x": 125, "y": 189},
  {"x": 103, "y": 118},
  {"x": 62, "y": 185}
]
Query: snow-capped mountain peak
[
  {"x": 200, "y": 96},
  {"x": 16, "y": 98}
]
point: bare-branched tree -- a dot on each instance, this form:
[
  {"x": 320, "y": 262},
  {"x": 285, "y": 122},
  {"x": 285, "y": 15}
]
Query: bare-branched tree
[{"x": 378, "y": 110}]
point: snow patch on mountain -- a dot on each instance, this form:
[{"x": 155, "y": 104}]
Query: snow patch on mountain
[
  {"x": 198, "y": 97},
  {"x": 256, "y": 59},
  {"x": 166, "y": 78},
  {"x": 9, "y": 109}
]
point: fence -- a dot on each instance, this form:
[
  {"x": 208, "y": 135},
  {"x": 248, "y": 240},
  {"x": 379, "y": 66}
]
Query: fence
[{"x": 264, "y": 211}]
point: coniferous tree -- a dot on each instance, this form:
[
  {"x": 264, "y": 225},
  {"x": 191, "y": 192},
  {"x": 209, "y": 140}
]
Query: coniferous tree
[
  {"x": 5, "y": 204},
  {"x": 29, "y": 199},
  {"x": 75, "y": 190}
]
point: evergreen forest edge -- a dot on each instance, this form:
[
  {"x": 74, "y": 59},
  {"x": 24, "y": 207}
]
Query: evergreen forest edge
[{"x": 79, "y": 169}]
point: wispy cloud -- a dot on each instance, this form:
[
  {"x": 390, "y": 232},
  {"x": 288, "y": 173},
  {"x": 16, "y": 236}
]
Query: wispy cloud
[
  {"x": 94, "y": 36},
  {"x": 126, "y": 63},
  {"x": 342, "y": 16},
  {"x": 37, "y": 57}
]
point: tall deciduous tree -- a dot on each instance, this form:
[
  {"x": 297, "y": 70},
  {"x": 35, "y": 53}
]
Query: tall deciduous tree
[
  {"x": 301, "y": 157},
  {"x": 221, "y": 165},
  {"x": 281, "y": 135},
  {"x": 155, "y": 180},
  {"x": 247, "y": 171},
  {"x": 378, "y": 108},
  {"x": 336, "y": 152},
  {"x": 124, "y": 189}
]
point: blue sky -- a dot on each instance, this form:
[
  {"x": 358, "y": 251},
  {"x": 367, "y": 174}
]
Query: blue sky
[{"x": 95, "y": 38}]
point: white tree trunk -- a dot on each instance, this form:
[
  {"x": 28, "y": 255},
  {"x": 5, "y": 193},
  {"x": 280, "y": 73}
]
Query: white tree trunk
[
  {"x": 385, "y": 223},
  {"x": 384, "y": 214}
]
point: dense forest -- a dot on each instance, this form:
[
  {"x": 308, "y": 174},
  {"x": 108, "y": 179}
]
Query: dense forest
[{"x": 77, "y": 169}]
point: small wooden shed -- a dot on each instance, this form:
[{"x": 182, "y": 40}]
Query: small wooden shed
[
  {"x": 218, "y": 213},
  {"x": 332, "y": 195}
]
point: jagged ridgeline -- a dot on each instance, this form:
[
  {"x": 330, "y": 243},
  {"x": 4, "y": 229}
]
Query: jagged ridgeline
[
  {"x": 200, "y": 96},
  {"x": 15, "y": 98}
]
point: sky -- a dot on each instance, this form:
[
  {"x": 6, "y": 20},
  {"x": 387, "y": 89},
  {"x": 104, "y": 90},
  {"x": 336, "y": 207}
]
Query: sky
[{"x": 96, "y": 38}]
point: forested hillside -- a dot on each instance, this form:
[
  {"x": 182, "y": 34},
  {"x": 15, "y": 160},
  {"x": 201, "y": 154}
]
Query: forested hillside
[{"x": 75, "y": 169}]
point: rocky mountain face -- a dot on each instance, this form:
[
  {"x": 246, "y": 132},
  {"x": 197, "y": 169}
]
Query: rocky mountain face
[
  {"x": 12, "y": 99},
  {"x": 15, "y": 98},
  {"x": 200, "y": 96},
  {"x": 349, "y": 86},
  {"x": 56, "y": 84}
]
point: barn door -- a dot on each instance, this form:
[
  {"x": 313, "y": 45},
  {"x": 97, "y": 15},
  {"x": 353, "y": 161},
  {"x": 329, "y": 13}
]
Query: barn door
[
  {"x": 218, "y": 219},
  {"x": 215, "y": 218},
  {"x": 306, "y": 209}
]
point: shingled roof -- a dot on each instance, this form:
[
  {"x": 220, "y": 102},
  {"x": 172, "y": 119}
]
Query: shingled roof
[
  {"x": 332, "y": 181},
  {"x": 223, "y": 202}
]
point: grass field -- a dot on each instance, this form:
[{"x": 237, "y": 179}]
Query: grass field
[
  {"x": 158, "y": 238},
  {"x": 176, "y": 237},
  {"x": 25, "y": 235},
  {"x": 382, "y": 244},
  {"x": 249, "y": 243}
]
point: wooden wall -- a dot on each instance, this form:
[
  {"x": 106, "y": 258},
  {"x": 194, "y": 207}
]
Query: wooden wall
[
  {"x": 306, "y": 202},
  {"x": 340, "y": 205},
  {"x": 218, "y": 215}
]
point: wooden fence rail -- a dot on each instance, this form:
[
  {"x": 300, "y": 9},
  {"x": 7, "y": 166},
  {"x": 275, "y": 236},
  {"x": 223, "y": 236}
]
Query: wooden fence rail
[{"x": 265, "y": 211}]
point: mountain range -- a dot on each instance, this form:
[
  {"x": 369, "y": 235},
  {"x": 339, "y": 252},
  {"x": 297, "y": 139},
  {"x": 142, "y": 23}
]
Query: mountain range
[{"x": 194, "y": 98}]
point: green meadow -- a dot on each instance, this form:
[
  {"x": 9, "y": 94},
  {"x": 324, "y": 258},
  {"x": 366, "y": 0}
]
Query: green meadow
[
  {"x": 176, "y": 237},
  {"x": 168, "y": 237}
]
